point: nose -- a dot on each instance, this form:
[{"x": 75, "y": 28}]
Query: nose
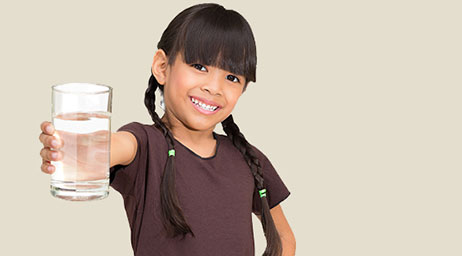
[{"x": 213, "y": 85}]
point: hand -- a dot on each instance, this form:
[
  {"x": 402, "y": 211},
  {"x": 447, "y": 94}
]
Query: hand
[
  {"x": 51, "y": 146},
  {"x": 83, "y": 157}
]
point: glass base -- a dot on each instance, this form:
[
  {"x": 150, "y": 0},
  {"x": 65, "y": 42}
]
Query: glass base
[{"x": 80, "y": 191}]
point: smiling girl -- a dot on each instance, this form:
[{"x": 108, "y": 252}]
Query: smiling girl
[{"x": 188, "y": 190}]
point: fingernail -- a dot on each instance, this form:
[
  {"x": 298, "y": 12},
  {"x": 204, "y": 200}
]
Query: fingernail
[
  {"x": 49, "y": 129},
  {"x": 54, "y": 143},
  {"x": 54, "y": 155},
  {"x": 49, "y": 168}
]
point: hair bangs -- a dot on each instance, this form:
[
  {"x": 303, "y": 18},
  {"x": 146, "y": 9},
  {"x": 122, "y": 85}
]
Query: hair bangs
[{"x": 220, "y": 38}]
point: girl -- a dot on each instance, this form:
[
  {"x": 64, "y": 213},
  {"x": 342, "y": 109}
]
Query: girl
[{"x": 186, "y": 189}]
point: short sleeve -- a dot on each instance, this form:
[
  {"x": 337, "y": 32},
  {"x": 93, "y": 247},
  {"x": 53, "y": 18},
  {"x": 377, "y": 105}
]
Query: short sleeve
[
  {"x": 124, "y": 177},
  {"x": 276, "y": 190}
]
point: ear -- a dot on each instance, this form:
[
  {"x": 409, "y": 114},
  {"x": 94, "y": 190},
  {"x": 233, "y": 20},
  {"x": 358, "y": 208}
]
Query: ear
[{"x": 159, "y": 66}]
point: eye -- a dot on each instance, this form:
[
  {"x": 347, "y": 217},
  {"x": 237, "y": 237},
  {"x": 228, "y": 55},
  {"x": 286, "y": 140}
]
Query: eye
[
  {"x": 233, "y": 78},
  {"x": 198, "y": 67}
]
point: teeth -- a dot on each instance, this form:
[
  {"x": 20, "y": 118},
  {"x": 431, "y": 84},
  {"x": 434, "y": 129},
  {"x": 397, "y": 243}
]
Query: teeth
[{"x": 203, "y": 105}]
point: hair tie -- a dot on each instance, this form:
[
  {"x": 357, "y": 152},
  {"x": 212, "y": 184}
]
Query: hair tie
[
  {"x": 171, "y": 152},
  {"x": 262, "y": 192}
]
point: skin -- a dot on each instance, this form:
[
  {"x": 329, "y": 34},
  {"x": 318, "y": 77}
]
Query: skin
[{"x": 189, "y": 126}]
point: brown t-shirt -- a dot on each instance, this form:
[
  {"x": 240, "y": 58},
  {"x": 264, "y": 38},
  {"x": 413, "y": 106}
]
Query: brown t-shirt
[{"x": 217, "y": 195}]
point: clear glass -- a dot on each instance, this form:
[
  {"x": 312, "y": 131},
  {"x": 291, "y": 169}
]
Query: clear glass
[{"x": 81, "y": 114}]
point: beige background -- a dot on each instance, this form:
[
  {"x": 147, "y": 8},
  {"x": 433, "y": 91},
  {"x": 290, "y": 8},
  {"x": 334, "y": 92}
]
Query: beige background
[{"x": 357, "y": 104}]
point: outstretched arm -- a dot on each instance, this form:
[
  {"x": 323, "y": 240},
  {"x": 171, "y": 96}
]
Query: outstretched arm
[
  {"x": 123, "y": 148},
  {"x": 284, "y": 230}
]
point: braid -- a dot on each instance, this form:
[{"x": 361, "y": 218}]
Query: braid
[
  {"x": 174, "y": 220},
  {"x": 273, "y": 241}
]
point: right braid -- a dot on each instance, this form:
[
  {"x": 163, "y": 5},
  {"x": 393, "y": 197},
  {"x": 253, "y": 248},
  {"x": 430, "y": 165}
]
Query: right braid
[
  {"x": 174, "y": 220},
  {"x": 273, "y": 241}
]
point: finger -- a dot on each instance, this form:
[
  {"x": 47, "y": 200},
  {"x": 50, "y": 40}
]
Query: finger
[
  {"x": 50, "y": 141},
  {"x": 50, "y": 155},
  {"x": 46, "y": 167},
  {"x": 44, "y": 138},
  {"x": 47, "y": 128}
]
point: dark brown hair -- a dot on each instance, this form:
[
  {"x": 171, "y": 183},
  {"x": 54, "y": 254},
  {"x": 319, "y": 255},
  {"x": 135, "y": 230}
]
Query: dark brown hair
[{"x": 209, "y": 34}]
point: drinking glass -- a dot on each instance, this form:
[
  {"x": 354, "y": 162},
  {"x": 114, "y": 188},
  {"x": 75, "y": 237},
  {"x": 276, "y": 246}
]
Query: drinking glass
[{"x": 81, "y": 114}]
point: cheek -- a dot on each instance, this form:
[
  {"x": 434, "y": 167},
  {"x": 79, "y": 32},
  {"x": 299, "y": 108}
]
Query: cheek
[
  {"x": 179, "y": 85},
  {"x": 233, "y": 97}
]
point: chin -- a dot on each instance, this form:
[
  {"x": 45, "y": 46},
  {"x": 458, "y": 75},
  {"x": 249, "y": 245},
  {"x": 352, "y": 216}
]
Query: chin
[{"x": 198, "y": 125}]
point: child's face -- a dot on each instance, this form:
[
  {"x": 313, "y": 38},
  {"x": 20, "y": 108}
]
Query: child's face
[{"x": 187, "y": 87}]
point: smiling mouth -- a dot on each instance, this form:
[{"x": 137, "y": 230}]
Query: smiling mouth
[{"x": 204, "y": 107}]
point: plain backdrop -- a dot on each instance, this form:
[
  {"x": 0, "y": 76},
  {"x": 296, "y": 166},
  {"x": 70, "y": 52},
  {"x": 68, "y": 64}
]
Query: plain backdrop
[{"x": 357, "y": 105}]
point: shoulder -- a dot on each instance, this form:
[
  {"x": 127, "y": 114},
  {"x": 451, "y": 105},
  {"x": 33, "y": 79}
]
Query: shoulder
[
  {"x": 146, "y": 135},
  {"x": 224, "y": 139},
  {"x": 135, "y": 125},
  {"x": 140, "y": 129}
]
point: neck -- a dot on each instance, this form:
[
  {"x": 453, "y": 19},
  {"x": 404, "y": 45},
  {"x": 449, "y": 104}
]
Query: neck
[{"x": 184, "y": 134}]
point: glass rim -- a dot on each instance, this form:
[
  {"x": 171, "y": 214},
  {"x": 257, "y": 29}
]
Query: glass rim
[{"x": 55, "y": 88}]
